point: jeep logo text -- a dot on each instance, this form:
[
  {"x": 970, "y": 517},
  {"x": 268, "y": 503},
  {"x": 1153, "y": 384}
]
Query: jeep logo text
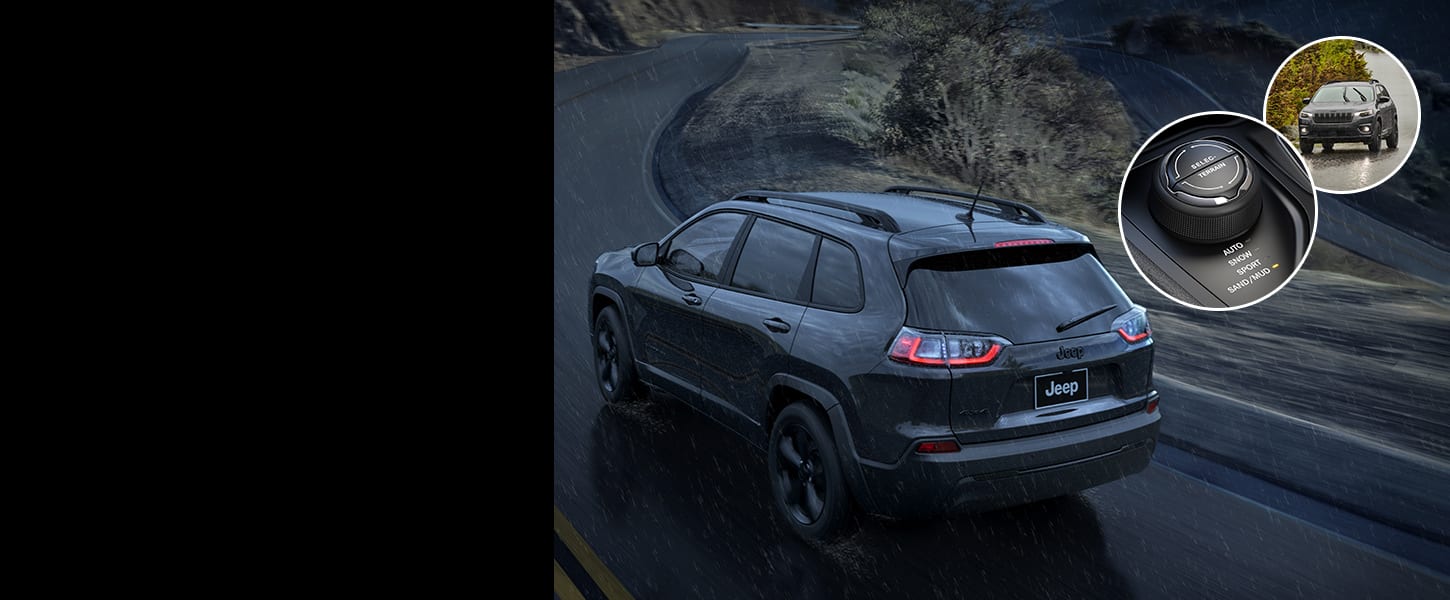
[{"x": 1062, "y": 389}]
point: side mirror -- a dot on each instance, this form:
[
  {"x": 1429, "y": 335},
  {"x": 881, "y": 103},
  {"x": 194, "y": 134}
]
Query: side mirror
[
  {"x": 1384, "y": 98},
  {"x": 646, "y": 254},
  {"x": 1306, "y": 101}
]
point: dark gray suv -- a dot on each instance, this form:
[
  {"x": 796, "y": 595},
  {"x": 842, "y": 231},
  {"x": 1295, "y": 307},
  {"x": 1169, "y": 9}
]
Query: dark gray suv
[
  {"x": 1349, "y": 111},
  {"x": 912, "y": 353}
]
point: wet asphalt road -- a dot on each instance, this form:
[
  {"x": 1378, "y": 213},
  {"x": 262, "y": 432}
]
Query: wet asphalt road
[
  {"x": 1352, "y": 166},
  {"x": 677, "y": 507}
]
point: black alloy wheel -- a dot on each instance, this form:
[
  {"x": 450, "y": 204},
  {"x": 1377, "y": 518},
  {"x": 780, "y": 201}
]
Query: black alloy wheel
[
  {"x": 807, "y": 477},
  {"x": 801, "y": 474},
  {"x": 613, "y": 362}
]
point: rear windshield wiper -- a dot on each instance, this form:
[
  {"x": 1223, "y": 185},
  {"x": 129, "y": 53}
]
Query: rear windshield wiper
[{"x": 1069, "y": 324}]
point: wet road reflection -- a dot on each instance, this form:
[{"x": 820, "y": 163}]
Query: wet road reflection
[{"x": 1353, "y": 166}]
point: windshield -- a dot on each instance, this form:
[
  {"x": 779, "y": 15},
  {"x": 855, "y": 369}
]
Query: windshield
[
  {"x": 1021, "y": 294},
  {"x": 1344, "y": 93}
]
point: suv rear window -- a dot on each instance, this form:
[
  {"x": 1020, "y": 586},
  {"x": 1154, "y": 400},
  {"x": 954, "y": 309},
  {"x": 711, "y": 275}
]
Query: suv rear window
[{"x": 1020, "y": 293}]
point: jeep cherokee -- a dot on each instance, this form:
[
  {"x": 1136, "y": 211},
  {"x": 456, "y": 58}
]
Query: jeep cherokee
[
  {"x": 912, "y": 353},
  {"x": 1349, "y": 111}
]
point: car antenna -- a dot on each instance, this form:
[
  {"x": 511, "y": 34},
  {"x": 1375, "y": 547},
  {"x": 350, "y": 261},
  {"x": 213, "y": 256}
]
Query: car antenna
[
  {"x": 967, "y": 218},
  {"x": 980, "y": 180}
]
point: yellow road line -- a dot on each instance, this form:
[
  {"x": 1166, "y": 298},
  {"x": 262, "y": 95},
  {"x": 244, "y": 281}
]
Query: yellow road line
[
  {"x": 612, "y": 588},
  {"x": 563, "y": 587}
]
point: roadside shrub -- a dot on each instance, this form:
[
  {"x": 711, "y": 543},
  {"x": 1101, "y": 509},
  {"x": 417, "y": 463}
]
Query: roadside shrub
[
  {"x": 979, "y": 101},
  {"x": 1304, "y": 73}
]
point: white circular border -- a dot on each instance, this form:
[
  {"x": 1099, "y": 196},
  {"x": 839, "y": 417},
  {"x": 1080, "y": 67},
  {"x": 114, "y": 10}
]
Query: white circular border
[
  {"x": 1313, "y": 229},
  {"x": 1419, "y": 113}
]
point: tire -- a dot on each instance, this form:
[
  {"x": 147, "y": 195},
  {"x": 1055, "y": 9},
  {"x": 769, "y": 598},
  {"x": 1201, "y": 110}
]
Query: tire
[
  {"x": 1329, "y": 147},
  {"x": 614, "y": 368},
  {"x": 1374, "y": 138},
  {"x": 806, "y": 475},
  {"x": 1394, "y": 140},
  {"x": 1306, "y": 147}
]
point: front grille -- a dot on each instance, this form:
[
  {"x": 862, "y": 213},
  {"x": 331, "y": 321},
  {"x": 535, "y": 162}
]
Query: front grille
[{"x": 1332, "y": 117}]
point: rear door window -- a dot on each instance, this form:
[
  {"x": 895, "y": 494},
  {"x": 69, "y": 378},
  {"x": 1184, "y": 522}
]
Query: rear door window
[
  {"x": 1021, "y": 294},
  {"x": 838, "y": 277},
  {"x": 774, "y": 260}
]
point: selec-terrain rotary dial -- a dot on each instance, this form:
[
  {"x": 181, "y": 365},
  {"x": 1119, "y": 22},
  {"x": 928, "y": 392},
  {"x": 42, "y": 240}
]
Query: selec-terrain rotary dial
[{"x": 1204, "y": 192}]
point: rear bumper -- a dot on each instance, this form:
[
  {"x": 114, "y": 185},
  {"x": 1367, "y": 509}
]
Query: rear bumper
[{"x": 1009, "y": 472}]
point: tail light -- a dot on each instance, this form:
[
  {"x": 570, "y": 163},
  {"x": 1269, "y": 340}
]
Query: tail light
[
  {"x": 944, "y": 349},
  {"x": 938, "y": 447},
  {"x": 1133, "y": 326}
]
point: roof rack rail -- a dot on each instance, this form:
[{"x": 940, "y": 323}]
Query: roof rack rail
[
  {"x": 871, "y": 217},
  {"x": 1021, "y": 208}
]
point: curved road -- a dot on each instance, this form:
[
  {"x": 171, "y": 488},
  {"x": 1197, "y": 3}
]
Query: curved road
[{"x": 676, "y": 507}]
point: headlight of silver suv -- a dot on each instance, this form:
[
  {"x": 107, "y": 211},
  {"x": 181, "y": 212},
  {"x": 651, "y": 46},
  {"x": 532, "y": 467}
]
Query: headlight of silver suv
[
  {"x": 1306, "y": 115},
  {"x": 1362, "y": 114}
]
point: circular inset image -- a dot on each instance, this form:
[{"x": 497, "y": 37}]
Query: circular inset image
[
  {"x": 1351, "y": 109},
  {"x": 1217, "y": 211}
]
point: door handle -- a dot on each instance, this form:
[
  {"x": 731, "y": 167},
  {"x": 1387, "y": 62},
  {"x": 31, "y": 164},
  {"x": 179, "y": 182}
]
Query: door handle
[
  {"x": 691, "y": 299},
  {"x": 777, "y": 325}
]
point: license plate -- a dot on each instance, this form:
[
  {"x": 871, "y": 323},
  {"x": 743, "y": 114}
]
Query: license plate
[{"x": 1061, "y": 387}]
